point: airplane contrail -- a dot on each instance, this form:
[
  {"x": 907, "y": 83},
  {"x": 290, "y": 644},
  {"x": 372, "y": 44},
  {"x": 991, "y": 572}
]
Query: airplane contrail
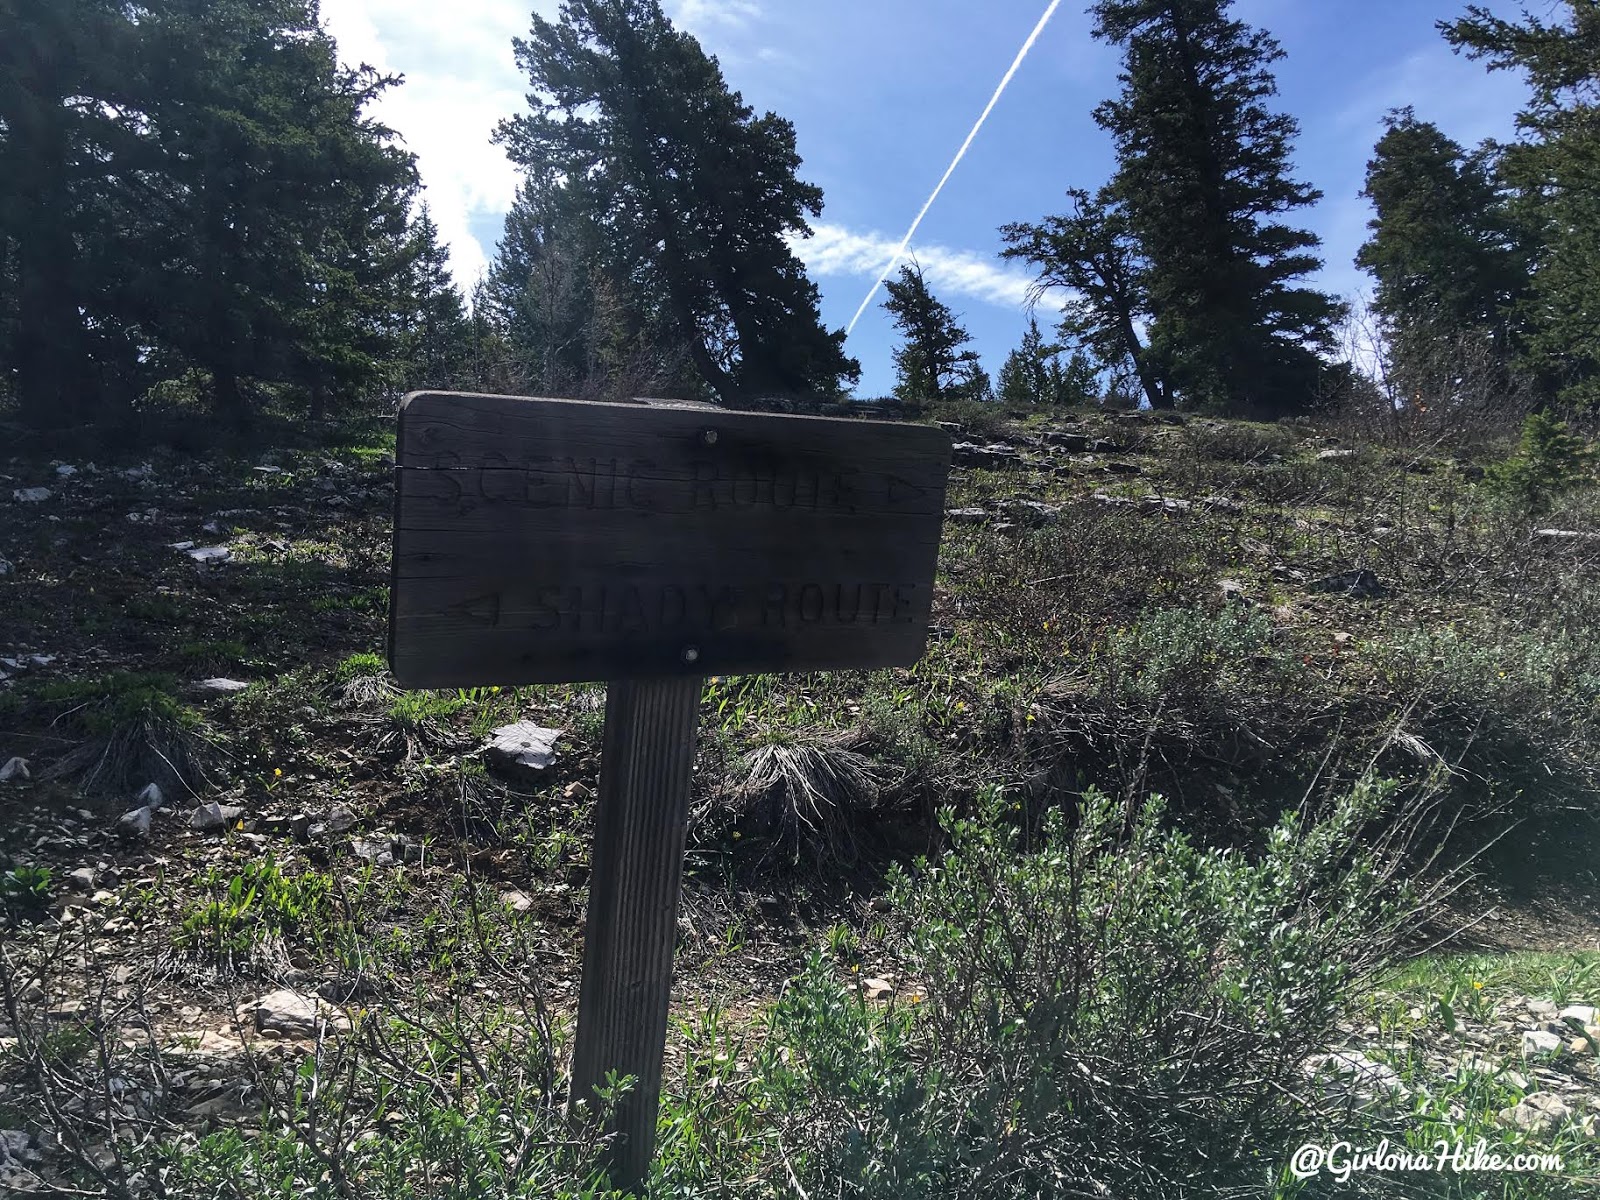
[{"x": 956, "y": 161}]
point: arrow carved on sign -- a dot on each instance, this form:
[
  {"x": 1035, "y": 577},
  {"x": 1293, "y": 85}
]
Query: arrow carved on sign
[
  {"x": 484, "y": 610},
  {"x": 904, "y": 489}
]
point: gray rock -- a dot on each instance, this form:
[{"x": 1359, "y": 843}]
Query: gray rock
[
  {"x": 341, "y": 818},
  {"x": 1537, "y": 1042},
  {"x": 966, "y": 516},
  {"x": 83, "y": 879},
  {"x": 1333, "y": 455},
  {"x": 1105, "y": 446},
  {"x": 135, "y": 823},
  {"x": 15, "y": 770},
  {"x": 1360, "y": 585},
  {"x": 516, "y": 901},
  {"x": 523, "y": 747},
  {"x": 66, "y": 470},
  {"x": 996, "y": 455},
  {"x": 1231, "y": 589},
  {"x": 150, "y": 796},
  {"x": 214, "y": 816},
  {"x": 1583, "y": 1014},
  {"x": 219, "y": 687},
  {"x": 1537, "y": 1113},
  {"x": 1353, "y": 1073},
  {"x": 1566, "y": 535},
  {"x": 180, "y": 545},
  {"x": 5, "y": 567},
  {"x": 143, "y": 471},
  {"x": 1068, "y": 439},
  {"x": 1123, "y": 468},
  {"x": 950, "y": 427},
  {"x": 1033, "y": 512},
  {"x": 33, "y": 495},
  {"x": 210, "y": 555},
  {"x": 387, "y": 849},
  {"x": 293, "y": 1015},
  {"x": 1542, "y": 1008}
]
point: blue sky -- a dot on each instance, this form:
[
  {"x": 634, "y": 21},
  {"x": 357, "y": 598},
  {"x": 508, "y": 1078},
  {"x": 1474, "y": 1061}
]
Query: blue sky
[{"x": 882, "y": 93}]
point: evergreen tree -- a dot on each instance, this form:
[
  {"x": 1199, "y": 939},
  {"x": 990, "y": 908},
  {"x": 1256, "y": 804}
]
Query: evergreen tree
[
  {"x": 1443, "y": 249},
  {"x": 69, "y": 115},
  {"x": 435, "y": 333},
  {"x": 932, "y": 364},
  {"x": 1553, "y": 168},
  {"x": 688, "y": 192},
  {"x": 1025, "y": 375},
  {"x": 278, "y": 240},
  {"x": 1203, "y": 168},
  {"x": 1091, "y": 254}
]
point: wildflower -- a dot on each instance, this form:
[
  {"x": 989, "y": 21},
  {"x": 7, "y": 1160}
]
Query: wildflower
[
  {"x": 961, "y": 706},
  {"x": 737, "y": 835},
  {"x": 277, "y": 772},
  {"x": 1030, "y": 718},
  {"x": 494, "y": 691},
  {"x": 1047, "y": 626},
  {"x": 1477, "y": 985}
]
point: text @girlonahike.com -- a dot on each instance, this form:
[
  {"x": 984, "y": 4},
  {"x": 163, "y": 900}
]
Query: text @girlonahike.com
[{"x": 1344, "y": 1159}]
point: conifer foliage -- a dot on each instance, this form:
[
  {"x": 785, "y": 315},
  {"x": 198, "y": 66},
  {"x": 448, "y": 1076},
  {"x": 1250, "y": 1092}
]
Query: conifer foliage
[
  {"x": 682, "y": 198},
  {"x": 1203, "y": 176}
]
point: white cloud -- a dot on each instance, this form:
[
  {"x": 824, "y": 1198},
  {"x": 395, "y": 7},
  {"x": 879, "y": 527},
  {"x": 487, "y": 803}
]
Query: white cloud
[
  {"x": 714, "y": 12},
  {"x": 833, "y": 250},
  {"x": 460, "y": 80}
]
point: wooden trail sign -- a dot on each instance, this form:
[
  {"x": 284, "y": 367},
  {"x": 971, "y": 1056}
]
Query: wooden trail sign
[{"x": 649, "y": 545}]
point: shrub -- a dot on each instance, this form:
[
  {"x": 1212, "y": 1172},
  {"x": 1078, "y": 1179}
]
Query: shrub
[
  {"x": 135, "y": 732},
  {"x": 1549, "y": 460},
  {"x": 1115, "y": 1012}
]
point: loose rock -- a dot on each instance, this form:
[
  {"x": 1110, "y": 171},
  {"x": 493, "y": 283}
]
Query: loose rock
[
  {"x": 1360, "y": 585},
  {"x": 523, "y": 747},
  {"x": 213, "y": 816},
  {"x": 135, "y": 823},
  {"x": 14, "y": 771},
  {"x": 33, "y": 495},
  {"x": 1537, "y": 1042},
  {"x": 293, "y": 1015},
  {"x": 1537, "y": 1113},
  {"x": 210, "y": 688}
]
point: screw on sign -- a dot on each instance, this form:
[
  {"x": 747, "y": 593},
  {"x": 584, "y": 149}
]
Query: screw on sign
[{"x": 648, "y": 545}]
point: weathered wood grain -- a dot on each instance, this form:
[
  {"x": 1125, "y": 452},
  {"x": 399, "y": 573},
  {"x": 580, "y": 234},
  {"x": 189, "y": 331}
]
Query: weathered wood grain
[
  {"x": 541, "y": 541},
  {"x": 634, "y": 885}
]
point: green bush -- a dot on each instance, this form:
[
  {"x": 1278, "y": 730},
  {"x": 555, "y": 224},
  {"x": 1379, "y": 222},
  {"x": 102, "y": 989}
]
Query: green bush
[
  {"x": 1550, "y": 460},
  {"x": 1114, "y": 1012}
]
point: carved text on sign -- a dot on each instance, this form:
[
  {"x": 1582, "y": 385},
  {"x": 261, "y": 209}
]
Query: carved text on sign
[{"x": 644, "y": 485}]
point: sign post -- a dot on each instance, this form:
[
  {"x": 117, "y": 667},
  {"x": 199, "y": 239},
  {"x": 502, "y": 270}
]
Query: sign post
[{"x": 648, "y": 545}]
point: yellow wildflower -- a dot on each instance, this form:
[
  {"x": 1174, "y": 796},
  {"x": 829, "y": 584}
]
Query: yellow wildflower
[{"x": 277, "y": 772}]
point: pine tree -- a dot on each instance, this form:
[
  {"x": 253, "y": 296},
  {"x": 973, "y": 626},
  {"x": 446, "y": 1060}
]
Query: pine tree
[
  {"x": 932, "y": 364},
  {"x": 1553, "y": 169},
  {"x": 1025, "y": 375},
  {"x": 1203, "y": 170},
  {"x": 435, "y": 335},
  {"x": 1443, "y": 248},
  {"x": 1092, "y": 256},
  {"x": 691, "y": 195},
  {"x": 282, "y": 237},
  {"x": 56, "y": 151}
]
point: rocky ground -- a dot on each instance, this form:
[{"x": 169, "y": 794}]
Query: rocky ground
[{"x": 224, "y": 827}]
